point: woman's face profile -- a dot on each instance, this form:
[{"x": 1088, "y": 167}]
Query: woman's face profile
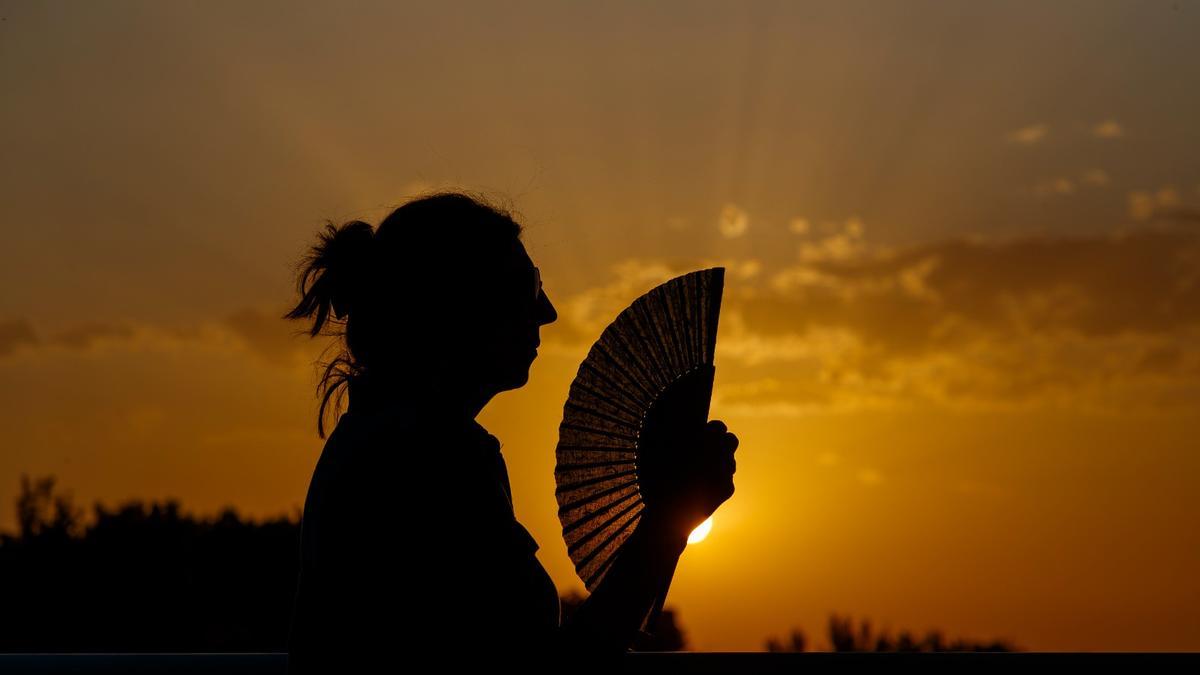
[{"x": 515, "y": 309}]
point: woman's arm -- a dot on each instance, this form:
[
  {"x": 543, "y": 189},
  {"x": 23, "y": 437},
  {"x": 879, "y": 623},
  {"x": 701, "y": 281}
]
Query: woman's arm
[{"x": 607, "y": 623}]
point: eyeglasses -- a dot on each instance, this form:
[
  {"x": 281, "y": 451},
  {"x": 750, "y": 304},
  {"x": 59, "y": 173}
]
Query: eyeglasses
[{"x": 514, "y": 287}]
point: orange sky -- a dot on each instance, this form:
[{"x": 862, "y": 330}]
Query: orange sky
[{"x": 959, "y": 337}]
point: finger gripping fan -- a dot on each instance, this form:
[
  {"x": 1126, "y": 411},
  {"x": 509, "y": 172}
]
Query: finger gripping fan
[{"x": 642, "y": 391}]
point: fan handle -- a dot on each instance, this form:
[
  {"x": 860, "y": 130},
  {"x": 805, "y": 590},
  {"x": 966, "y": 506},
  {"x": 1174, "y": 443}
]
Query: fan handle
[{"x": 683, "y": 405}]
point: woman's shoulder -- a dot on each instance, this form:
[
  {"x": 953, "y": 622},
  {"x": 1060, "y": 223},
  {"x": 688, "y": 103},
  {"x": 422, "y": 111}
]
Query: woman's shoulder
[
  {"x": 380, "y": 461},
  {"x": 364, "y": 434},
  {"x": 370, "y": 447},
  {"x": 360, "y": 451}
]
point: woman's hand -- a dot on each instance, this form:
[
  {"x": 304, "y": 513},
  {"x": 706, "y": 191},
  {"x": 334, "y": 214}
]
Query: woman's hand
[
  {"x": 692, "y": 491},
  {"x": 694, "y": 477}
]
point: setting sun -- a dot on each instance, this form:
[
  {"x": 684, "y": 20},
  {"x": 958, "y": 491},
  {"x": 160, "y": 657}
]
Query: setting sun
[{"x": 700, "y": 532}]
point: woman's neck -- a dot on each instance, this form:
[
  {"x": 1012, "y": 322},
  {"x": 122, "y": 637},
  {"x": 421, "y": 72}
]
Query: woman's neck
[{"x": 432, "y": 395}]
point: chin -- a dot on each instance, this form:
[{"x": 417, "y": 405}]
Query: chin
[
  {"x": 516, "y": 380},
  {"x": 523, "y": 378}
]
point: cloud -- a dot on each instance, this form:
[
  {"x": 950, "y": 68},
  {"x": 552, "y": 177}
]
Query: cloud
[
  {"x": 855, "y": 227},
  {"x": 733, "y": 221},
  {"x": 85, "y": 336},
  {"x": 585, "y": 314},
  {"x": 250, "y": 330},
  {"x": 1107, "y": 322},
  {"x": 1055, "y": 186},
  {"x": 840, "y": 241},
  {"x": 1149, "y": 204},
  {"x": 1068, "y": 185},
  {"x": 799, "y": 225},
  {"x": 1095, "y": 285},
  {"x": 17, "y": 333},
  {"x": 1030, "y": 135},
  {"x": 269, "y": 337},
  {"x": 1107, "y": 129},
  {"x": 978, "y": 321},
  {"x": 14, "y": 334}
]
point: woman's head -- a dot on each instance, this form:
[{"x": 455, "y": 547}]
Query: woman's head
[{"x": 441, "y": 295}]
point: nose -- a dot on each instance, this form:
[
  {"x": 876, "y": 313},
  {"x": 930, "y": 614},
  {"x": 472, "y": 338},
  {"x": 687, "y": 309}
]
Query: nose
[{"x": 546, "y": 312}]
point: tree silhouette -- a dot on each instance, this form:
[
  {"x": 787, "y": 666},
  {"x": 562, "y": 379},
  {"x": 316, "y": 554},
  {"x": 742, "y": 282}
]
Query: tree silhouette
[
  {"x": 147, "y": 577},
  {"x": 143, "y": 577},
  {"x": 796, "y": 643},
  {"x": 845, "y": 637}
]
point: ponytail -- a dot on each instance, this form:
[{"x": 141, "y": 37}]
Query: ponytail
[
  {"x": 332, "y": 274},
  {"x": 331, "y": 278}
]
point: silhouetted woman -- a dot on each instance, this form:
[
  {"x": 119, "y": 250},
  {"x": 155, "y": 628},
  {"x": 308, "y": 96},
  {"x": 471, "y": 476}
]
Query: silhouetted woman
[{"x": 410, "y": 548}]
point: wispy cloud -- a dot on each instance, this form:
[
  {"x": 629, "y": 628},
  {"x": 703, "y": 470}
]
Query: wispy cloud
[
  {"x": 733, "y": 221},
  {"x": 1029, "y": 135},
  {"x": 1146, "y": 204},
  {"x": 1068, "y": 185},
  {"x": 1055, "y": 186},
  {"x": 269, "y": 337},
  {"x": 1108, "y": 129},
  {"x": 258, "y": 332},
  {"x": 87, "y": 335}
]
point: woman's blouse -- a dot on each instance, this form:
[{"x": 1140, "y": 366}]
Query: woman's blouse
[{"x": 409, "y": 543}]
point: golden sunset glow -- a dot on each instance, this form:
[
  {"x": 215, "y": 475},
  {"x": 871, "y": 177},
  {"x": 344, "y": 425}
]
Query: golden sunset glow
[{"x": 960, "y": 336}]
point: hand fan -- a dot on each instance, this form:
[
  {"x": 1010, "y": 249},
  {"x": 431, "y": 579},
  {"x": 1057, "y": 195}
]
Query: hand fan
[{"x": 646, "y": 380}]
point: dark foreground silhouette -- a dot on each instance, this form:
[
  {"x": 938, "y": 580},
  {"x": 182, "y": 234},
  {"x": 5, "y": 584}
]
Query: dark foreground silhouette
[
  {"x": 142, "y": 577},
  {"x": 149, "y": 577},
  {"x": 844, "y": 636},
  {"x": 409, "y": 538}
]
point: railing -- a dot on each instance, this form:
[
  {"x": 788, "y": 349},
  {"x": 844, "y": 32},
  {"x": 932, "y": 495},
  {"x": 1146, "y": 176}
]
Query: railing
[{"x": 639, "y": 662}]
